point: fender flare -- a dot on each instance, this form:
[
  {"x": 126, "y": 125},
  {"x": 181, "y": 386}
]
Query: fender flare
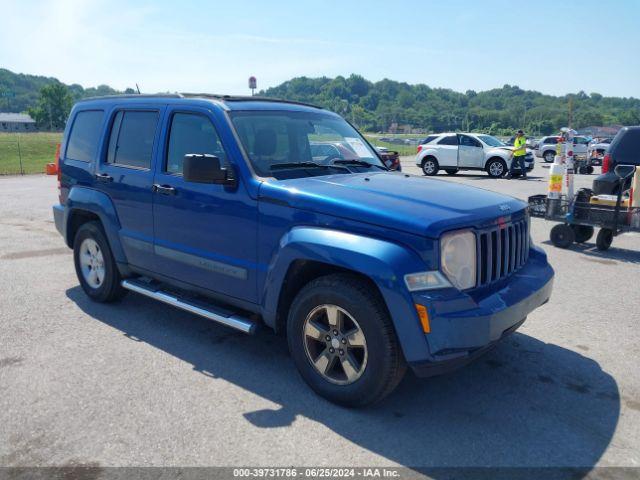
[
  {"x": 383, "y": 262},
  {"x": 89, "y": 200}
]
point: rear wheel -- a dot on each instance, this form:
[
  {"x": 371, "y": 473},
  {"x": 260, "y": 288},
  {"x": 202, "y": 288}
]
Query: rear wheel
[
  {"x": 562, "y": 236},
  {"x": 582, "y": 232},
  {"x": 496, "y": 167},
  {"x": 95, "y": 266},
  {"x": 430, "y": 166},
  {"x": 604, "y": 239},
  {"x": 342, "y": 341},
  {"x": 451, "y": 171},
  {"x": 549, "y": 156}
]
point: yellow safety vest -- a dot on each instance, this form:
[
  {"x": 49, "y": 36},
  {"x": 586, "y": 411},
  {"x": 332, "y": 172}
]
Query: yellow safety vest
[{"x": 519, "y": 146}]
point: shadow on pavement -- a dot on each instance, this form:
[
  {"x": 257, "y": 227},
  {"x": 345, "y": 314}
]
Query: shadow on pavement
[
  {"x": 611, "y": 256},
  {"x": 526, "y": 403}
]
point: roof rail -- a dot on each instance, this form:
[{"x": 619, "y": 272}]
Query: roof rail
[
  {"x": 212, "y": 96},
  {"x": 133, "y": 95},
  {"x": 245, "y": 98}
]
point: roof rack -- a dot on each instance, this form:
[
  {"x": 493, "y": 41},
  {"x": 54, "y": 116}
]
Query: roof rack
[
  {"x": 245, "y": 98},
  {"x": 212, "y": 96}
]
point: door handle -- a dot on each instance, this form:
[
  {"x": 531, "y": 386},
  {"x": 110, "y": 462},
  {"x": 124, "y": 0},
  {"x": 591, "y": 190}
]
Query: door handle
[
  {"x": 104, "y": 177},
  {"x": 164, "y": 189}
]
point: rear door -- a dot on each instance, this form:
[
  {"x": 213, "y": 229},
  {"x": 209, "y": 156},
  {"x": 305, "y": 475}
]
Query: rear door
[
  {"x": 125, "y": 175},
  {"x": 447, "y": 148},
  {"x": 470, "y": 152},
  {"x": 205, "y": 234}
]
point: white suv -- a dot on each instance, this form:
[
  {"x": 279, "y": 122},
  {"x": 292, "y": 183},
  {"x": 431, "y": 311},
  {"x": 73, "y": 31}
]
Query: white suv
[
  {"x": 453, "y": 152},
  {"x": 546, "y": 148}
]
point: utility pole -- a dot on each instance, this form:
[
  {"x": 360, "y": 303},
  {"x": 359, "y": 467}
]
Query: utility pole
[{"x": 570, "y": 112}]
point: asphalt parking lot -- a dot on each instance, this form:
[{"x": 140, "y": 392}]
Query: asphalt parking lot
[{"x": 140, "y": 383}]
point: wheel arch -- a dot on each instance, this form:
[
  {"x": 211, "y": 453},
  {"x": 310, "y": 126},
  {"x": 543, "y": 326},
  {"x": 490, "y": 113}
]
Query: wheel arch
[
  {"x": 85, "y": 205},
  {"x": 309, "y": 252}
]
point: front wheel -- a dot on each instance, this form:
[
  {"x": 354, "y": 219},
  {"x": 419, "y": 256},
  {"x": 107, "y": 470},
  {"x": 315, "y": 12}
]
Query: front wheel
[
  {"x": 343, "y": 342},
  {"x": 430, "y": 166},
  {"x": 496, "y": 168}
]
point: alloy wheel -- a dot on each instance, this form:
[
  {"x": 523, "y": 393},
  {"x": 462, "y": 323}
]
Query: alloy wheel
[
  {"x": 496, "y": 169},
  {"x": 335, "y": 344},
  {"x": 92, "y": 263}
]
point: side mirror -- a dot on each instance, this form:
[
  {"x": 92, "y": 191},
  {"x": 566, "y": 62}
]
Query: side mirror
[
  {"x": 203, "y": 168},
  {"x": 624, "y": 171}
]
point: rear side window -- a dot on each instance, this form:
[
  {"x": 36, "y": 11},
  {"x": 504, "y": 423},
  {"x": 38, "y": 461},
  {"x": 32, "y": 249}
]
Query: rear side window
[
  {"x": 191, "y": 133},
  {"x": 429, "y": 139},
  {"x": 450, "y": 140},
  {"x": 85, "y": 135},
  {"x": 131, "y": 141},
  {"x": 626, "y": 150},
  {"x": 551, "y": 140}
]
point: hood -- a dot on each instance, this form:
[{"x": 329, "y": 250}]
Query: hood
[
  {"x": 507, "y": 148},
  {"x": 418, "y": 205}
]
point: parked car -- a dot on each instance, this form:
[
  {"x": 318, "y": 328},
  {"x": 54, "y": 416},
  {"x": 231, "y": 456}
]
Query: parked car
[
  {"x": 529, "y": 142},
  {"x": 623, "y": 150},
  {"x": 546, "y": 148},
  {"x": 215, "y": 205},
  {"x": 453, "y": 152},
  {"x": 597, "y": 150},
  {"x": 390, "y": 158}
]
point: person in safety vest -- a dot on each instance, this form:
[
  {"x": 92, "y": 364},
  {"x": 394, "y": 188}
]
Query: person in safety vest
[{"x": 518, "y": 154}]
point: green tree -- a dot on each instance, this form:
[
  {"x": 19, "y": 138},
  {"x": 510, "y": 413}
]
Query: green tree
[{"x": 53, "y": 107}]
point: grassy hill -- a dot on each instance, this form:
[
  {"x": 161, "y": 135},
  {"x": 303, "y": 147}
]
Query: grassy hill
[
  {"x": 33, "y": 150},
  {"x": 19, "y": 91}
]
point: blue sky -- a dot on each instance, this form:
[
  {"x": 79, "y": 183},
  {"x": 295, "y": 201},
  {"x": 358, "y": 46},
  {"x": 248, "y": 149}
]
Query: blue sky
[{"x": 552, "y": 46}]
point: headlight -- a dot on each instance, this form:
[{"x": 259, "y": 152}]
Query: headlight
[{"x": 458, "y": 258}]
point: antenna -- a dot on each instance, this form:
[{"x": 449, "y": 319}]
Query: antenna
[{"x": 138, "y": 88}]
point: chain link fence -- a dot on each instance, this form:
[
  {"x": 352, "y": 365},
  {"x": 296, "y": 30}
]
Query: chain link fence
[{"x": 23, "y": 153}]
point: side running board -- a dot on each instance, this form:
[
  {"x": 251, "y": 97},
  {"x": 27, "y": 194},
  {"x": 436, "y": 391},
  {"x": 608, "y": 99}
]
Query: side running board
[{"x": 208, "y": 311}]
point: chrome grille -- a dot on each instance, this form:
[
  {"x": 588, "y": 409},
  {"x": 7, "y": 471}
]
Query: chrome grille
[{"x": 501, "y": 250}]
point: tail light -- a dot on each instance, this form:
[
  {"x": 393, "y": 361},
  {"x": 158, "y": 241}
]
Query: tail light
[
  {"x": 419, "y": 148},
  {"x": 606, "y": 163}
]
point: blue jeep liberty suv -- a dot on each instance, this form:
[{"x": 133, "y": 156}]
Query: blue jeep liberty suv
[{"x": 233, "y": 209}]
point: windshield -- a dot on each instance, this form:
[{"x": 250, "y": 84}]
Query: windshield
[
  {"x": 491, "y": 141},
  {"x": 284, "y": 138}
]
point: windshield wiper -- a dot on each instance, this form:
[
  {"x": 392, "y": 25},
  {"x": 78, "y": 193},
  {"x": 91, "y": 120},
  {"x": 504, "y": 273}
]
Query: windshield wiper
[
  {"x": 288, "y": 165},
  {"x": 360, "y": 163}
]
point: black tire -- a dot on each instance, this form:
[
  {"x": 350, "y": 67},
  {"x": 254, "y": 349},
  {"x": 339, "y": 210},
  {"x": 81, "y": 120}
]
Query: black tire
[
  {"x": 582, "y": 170},
  {"x": 604, "y": 239},
  {"x": 583, "y": 233},
  {"x": 109, "y": 288},
  {"x": 496, "y": 168},
  {"x": 451, "y": 171},
  {"x": 562, "y": 236},
  {"x": 384, "y": 366},
  {"x": 589, "y": 169},
  {"x": 549, "y": 156},
  {"x": 430, "y": 166}
]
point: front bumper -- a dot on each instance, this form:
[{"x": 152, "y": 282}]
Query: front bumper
[{"x": 466, "y": 324}]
